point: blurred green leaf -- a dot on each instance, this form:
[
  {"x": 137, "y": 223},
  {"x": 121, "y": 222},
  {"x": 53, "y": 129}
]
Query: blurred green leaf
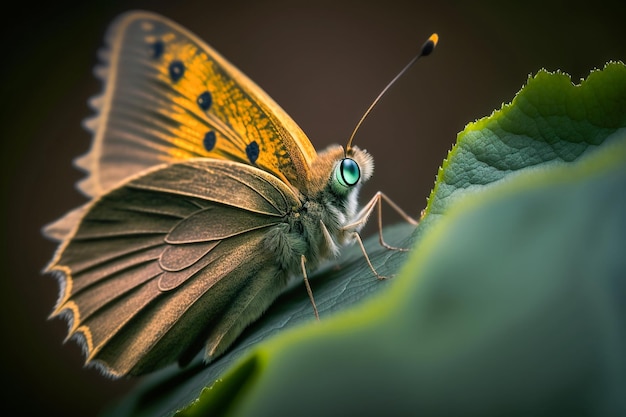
[{"x": 510, "y": 304}]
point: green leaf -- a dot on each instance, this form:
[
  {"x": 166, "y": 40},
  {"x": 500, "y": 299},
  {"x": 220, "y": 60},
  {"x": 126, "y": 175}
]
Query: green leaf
[
  {"x": 511, "y": 302},
  {"x": 549, "y": 122}
]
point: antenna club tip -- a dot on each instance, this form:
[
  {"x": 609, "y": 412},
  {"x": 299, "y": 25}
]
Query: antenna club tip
[{"x": 429, "y": 45}]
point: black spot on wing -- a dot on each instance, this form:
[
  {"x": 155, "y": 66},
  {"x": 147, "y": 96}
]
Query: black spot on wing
[
  {"x": 252, "y": 151},
  {"x": 157, "y": 49},
  {"x": 209, "y": 140},
  {"x": 177, "y": 70},
  {"x": 205, "y": 100}
]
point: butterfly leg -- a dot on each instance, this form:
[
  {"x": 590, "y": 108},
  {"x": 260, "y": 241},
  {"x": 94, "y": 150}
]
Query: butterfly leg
[
  {"x": 376, "y": 202},
  {"x": 308, "y": 286},
  {"x": 358, "y": 239}
]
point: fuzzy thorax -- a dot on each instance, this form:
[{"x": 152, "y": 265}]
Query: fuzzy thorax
[{"x": 317, "y": 228}]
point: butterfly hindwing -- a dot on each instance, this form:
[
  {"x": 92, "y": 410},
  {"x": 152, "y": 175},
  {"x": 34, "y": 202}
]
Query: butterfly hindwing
[
  {"x": 160, "y": 265},
  {"x": 169, "y": 97}
]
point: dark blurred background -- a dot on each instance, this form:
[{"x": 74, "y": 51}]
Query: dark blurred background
[{"x": 322, "y": 61}]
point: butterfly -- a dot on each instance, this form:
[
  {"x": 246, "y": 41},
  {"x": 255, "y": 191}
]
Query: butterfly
[{"x": 206, "y": 200}]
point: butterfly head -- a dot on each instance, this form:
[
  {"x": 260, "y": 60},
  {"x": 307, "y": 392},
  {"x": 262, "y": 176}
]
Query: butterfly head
[
  {"x": 351, "y": 170},
  {"x": 340, "y": 173}
]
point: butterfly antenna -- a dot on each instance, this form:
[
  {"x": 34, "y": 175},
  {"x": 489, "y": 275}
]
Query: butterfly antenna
[{"x": 426, "y": 50}]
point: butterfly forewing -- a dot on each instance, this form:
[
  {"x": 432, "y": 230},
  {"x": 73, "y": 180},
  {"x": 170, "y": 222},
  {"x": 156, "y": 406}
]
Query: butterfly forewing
[{"x": 168, "y": 97}]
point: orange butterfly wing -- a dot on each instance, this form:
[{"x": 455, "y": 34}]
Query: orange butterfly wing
[{"x": 169, "y": 97}]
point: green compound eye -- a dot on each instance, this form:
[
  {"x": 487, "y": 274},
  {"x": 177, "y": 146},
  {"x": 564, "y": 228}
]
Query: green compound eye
[{"x": 348, "y": 173}]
